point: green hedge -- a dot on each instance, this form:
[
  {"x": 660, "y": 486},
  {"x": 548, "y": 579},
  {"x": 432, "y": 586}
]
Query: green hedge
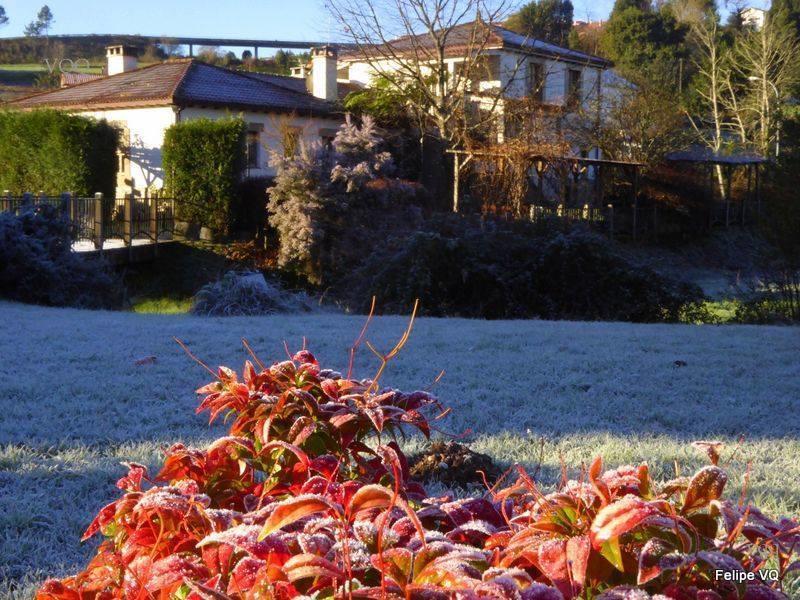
[
  {"x": 203, "y": 162},
  {"x": 57, "y": 152}
]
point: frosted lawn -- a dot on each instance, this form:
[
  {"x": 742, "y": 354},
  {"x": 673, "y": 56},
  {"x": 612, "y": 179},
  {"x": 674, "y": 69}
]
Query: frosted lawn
[{"x": 73, "y": 404}]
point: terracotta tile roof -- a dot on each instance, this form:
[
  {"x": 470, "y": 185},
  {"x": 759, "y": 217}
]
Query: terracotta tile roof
[
  {"x": 461, "y": 38},
  {"x": 182, "y": 83},
  {"x": 70, "y": 79}
]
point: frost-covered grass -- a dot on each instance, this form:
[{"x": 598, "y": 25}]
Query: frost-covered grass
[{"x": 73, "y": 403}]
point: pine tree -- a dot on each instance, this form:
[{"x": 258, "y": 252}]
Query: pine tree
[
  {"x": 549, "y": 20},
  {"x": 45, "y": 19}
]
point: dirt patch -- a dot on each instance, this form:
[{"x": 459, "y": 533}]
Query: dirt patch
[{"x": 453, "y": 464}]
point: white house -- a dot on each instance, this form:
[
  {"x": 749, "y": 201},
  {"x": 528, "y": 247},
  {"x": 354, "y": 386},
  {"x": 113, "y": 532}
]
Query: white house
[
  {"x": 520, "y": 67},
  {"x": 754, "y": 17},
  {"x": 144, "y": 102}
]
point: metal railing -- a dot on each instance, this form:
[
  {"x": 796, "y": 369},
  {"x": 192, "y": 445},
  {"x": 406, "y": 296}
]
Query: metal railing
[{"x": 131, "y": 220}]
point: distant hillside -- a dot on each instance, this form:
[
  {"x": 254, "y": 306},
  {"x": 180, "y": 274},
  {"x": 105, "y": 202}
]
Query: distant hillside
[{"x": 23, "y": 50}]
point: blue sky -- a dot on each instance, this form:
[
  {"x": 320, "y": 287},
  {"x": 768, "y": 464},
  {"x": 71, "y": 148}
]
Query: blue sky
[{"x": 261, "y": 19}]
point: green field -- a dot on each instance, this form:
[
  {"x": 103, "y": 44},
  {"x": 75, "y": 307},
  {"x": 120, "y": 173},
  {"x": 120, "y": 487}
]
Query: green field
[{"x": 28, "y": 74}]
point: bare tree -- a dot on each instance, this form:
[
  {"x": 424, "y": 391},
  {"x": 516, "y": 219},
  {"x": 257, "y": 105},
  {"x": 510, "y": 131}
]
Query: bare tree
[
  {"x": 765, "y": 61},
  {"x": 413, "y": 43},
  {"x": 640, "y": 123},
  {"x": 714, "y": 84}
]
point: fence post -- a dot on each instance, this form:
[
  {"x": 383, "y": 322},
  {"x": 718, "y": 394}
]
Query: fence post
[
  {"x": 8, "y": 206},
  {"x": 585, "y": 214},
  {"x": 154, "y": 222},
  {"x": 560, "y": 210},
  {"x": 98, "y": 221},
  {"x": 127, "y": 215},
  {"x": 73, "y": 210},
  {"x": 611, "y": 221},
  {"x": 27, "y": 199},
  {"x": 65, "y": 205}
]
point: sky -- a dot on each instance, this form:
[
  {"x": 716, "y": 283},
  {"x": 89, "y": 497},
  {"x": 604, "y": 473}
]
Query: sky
[{"x": 260, "y": 19}]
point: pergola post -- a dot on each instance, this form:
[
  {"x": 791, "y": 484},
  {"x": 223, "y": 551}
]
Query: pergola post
[
  {"x": 728, "y": 178},
  {"x": 747, "y": 195},
  {"x": 456, "y": 178},
  {"x": 758, "y": 192},
  {"x": 635, "y": 201}
]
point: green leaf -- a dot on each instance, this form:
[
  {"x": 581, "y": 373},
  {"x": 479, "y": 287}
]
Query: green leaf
[{"x": 611, "y": 551}]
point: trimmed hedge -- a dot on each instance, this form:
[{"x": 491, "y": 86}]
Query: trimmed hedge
[
  {"x": 57, "y": 152},
  {"x": 203, "y": 162}
]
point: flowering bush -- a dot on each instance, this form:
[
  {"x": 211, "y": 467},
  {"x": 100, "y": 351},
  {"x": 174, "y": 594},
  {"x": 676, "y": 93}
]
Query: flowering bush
[
  {"x": 309, "y": 495},
  {"x": 328, "y": 206}
]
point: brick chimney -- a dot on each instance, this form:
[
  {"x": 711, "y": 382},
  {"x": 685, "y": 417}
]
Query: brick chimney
[
  {"x": 121, "y": 59},
  {"x": 323, "y": 73}
]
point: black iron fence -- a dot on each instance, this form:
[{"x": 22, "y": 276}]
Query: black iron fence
[
  {"x": 648, "y": 222},
  {"x": 96, "y": 220}
]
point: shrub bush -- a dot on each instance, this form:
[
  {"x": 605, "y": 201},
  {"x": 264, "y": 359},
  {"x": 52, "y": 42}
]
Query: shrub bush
[
  {"x": 54, "y": 152},
  {"x": 203, "y": 162},
  {"x": 38, "y": 266},
  {"x": 329, "y": 206},
  {"x": 239, "y": 294},
  {"x": 514, "y": 271},
  {"x": 305, "y": 497}
]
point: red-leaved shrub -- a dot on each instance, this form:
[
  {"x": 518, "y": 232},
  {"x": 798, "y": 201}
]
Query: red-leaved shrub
[{"x": 309, "y": 495}]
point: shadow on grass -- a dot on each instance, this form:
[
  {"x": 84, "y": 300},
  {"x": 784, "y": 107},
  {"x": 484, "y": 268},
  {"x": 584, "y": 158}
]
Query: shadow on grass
[{"x": 166, "y": 284}]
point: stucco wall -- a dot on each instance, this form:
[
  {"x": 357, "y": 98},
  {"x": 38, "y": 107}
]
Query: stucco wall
[
  {"x": 310, "y": 129},
  {"x": 514, "y": 76},
  {"x": 145, "y": 127}
]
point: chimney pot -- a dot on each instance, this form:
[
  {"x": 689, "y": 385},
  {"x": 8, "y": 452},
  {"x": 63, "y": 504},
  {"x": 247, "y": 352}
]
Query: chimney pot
[
  {"x": 121, "y": 59},
  {"x": 323, "y": 73}
]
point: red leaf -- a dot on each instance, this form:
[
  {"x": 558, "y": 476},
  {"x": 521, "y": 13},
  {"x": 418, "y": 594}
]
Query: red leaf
[
  {"x": 304, "y": 566},
  {"x": 552, "y": 558},
  {"x": 706, "y": 485},
  {"x": 619, "y": 518},
  {"x": 578, "y": 549}
]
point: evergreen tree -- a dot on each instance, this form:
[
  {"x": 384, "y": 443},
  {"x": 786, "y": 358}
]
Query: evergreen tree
[
  {"x": 645, "y": 45},
  {"x": 3, "y": 16},
  {"x": 787, "y": 12},
  {"x": 45, "y": 19},
  {"x": 549, "y": 20},
  {"x": 621, "y": 6}
]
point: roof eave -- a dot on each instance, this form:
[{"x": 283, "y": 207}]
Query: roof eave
[
  {"x": 306, "y": 112},
  {"x": 91, "y": 106}
]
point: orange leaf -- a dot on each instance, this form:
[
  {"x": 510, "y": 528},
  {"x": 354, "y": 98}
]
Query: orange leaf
[
  {"x": 619, "y": 518},
  {"x": 706, "y": 485},
  {"x": 294, "y": 509}
]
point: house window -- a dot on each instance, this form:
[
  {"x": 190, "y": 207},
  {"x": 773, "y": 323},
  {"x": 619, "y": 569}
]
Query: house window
[
  {"x": 483, "y": 69},
  {"x": 252, "y": 149},
  {"x": 573, "y": 87},
  {"x": 253, "y": 146},
  {"x": 536, "y": 81},
  {"x": 291, "y": 141},
  {"x": 327, "y": 135}
]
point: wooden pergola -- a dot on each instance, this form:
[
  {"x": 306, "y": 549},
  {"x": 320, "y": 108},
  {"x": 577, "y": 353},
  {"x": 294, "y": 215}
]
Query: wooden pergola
[
  {"x": 751, "y": 162},
  {"x": 539, "y": 162}
]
